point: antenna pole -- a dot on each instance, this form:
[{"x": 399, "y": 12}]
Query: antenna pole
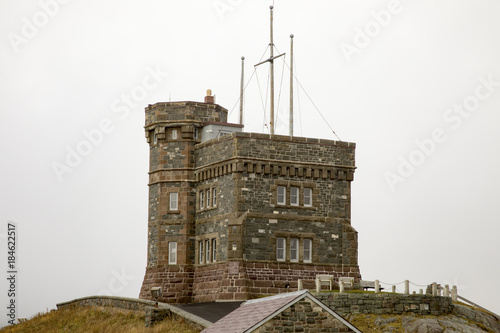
[
  {"x": 241, "y": 89},
  {"x": 271, "y": 60},
  {"x": 291, "y": 87}
]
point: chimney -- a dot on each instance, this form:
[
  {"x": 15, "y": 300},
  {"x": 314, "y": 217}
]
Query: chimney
[{"x": 209, "y": 98}]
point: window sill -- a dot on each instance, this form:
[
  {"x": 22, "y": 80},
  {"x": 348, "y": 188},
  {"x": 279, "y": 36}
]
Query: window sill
[
  {"x": 206, "y": 209},
  {"x": 295, "y": 207}
]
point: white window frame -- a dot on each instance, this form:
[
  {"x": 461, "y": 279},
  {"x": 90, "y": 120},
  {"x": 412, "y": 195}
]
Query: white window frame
[
  {"x": 200, "y": 252},
  {"x": 294, "y": 196},
  {"x": 173, "y": 134},
  {"x": 294, "y": 249},
  {"x": 202, "y": 200},
  {"x": 214, "y": 197},
  {"x": 173, "y": 201},
  {"x": 307, "y": 252},
  {"x": 207, "y": 251},
  {"x": 280, "y": 250},
  {"x": 172, "y": 253},
  {"x": 214, "y": 250},
  {"x": 307, "y": 197},
  {"x": 281, "y": 198},
  {"x": 208, "y": 198}
]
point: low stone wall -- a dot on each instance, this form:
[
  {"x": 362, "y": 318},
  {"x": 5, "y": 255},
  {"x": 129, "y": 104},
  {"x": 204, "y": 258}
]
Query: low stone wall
[
  {"x": 385, "y": 303},
  {"x": 117, "y": 302},
  {"x": 152, "y": 314}
]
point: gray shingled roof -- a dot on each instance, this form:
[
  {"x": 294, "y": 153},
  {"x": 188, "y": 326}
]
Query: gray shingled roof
[{"x": 251, "y": 314}]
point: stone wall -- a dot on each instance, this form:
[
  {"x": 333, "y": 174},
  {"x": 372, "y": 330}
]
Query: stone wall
[
  {"x": 236, "y": 280},
  {"x": 152, "y": 314},
  {"x": 303, "y": 316},
  {"x": 385, "y": 303},
  {"x": 175, "y": 280},
  {"x": 113, "y": 301},
  {"x": 179, "y": 111},
  {"x": 273, "y": 278}
]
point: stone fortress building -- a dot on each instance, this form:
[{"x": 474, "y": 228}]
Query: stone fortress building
[{"x": 235, "y": 215}]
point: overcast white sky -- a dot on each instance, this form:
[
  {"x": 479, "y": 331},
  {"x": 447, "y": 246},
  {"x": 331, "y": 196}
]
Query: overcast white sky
[{"x": 419, "y": 94}]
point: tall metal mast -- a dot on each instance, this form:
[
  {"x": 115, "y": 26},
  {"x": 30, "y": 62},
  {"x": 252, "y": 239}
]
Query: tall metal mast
[
  {"x": 271, "y": 61},
  {"x": 291, "y": 86},
  {"x": 241, "y": 89}
]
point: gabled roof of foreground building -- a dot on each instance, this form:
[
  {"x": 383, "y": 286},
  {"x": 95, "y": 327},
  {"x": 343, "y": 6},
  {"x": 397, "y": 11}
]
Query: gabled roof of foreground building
[{"x": 254, "y": 314}]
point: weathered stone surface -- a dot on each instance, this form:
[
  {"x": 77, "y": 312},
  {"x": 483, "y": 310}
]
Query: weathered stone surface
[
  {"x": 384, "y": 321},
  {"x": 423, "y": 324},
  {"x": 478, "y": 316}
]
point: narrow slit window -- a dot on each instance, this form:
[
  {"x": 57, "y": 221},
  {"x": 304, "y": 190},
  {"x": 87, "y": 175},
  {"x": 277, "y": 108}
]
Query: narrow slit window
[
  {"x": 207, "y": 250},
  {"x": 294, "y": 249},
  {"x": 200, "y": 251},
  {"x": 281, "y": 195},
  {"x": 208, "y": 198},
  {"x": 174, "y": 201},
  {"x": 214, "y": 250},
  {"x": 307, "y": 250},
  {"x": 307, "y": 197},
  {"x": 172, "y": 253},
  {"x": 201, "y": 200},
  {"x": 294, "y": 196},
  {"x": 280, "y": 249},
  {"x": 214, "y": 197}
]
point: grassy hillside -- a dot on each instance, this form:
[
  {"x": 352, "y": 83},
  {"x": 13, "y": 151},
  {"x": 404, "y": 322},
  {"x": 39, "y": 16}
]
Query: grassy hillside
[{"x": 96, "y": 319}]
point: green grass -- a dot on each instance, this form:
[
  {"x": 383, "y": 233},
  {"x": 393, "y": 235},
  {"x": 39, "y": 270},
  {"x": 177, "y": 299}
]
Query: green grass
[{"x": 96, "y": 319}]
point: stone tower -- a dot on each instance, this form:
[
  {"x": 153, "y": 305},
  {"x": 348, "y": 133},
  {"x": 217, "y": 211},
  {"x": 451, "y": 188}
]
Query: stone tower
[{"x": 236, "y": 215}]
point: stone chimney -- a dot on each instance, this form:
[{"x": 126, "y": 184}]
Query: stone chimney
[{"x": 209, "y": 98}]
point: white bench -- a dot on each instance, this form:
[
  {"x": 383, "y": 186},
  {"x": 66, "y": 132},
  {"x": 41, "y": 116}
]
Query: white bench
[
  {"x": 347, "y": 281},
  {"x": 324, "y": 278},
  {"x": 368, "y": 284}
]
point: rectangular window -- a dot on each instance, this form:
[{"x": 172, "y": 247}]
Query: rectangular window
[
  {"x": 196, "y": 133},
  {"x": 307, "y": 197},
  {"x": 155, "y": 138},
  {"x": 294, "y": 249},
  {"x": 280, "y": 249},
  {"x": 200, "y": 252},
  {"x": 172, "y": 253},
  {"x": 208, "y": 198},
  {"x": 214, "y": 195},
  {"x": 174, "y": 201},
  {"x": 214, "y": 250},
  {"x": 235, "y": 247},
  {"x": 207, "y": 250},
  {"x": 307, "y": 250},
  {"x": 174, "y": 134},
  {"x": 281, "y": 195},
  {"x": 201, "y": 200},
  {"x": 294, "y": 196}
]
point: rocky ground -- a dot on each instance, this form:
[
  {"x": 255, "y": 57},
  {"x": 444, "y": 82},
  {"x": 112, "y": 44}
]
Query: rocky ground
[{"x": 463, "y": 319}]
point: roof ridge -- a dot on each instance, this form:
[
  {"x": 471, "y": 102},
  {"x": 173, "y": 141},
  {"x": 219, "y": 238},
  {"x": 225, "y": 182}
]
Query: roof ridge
[{"x": 278, "y": 296}]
